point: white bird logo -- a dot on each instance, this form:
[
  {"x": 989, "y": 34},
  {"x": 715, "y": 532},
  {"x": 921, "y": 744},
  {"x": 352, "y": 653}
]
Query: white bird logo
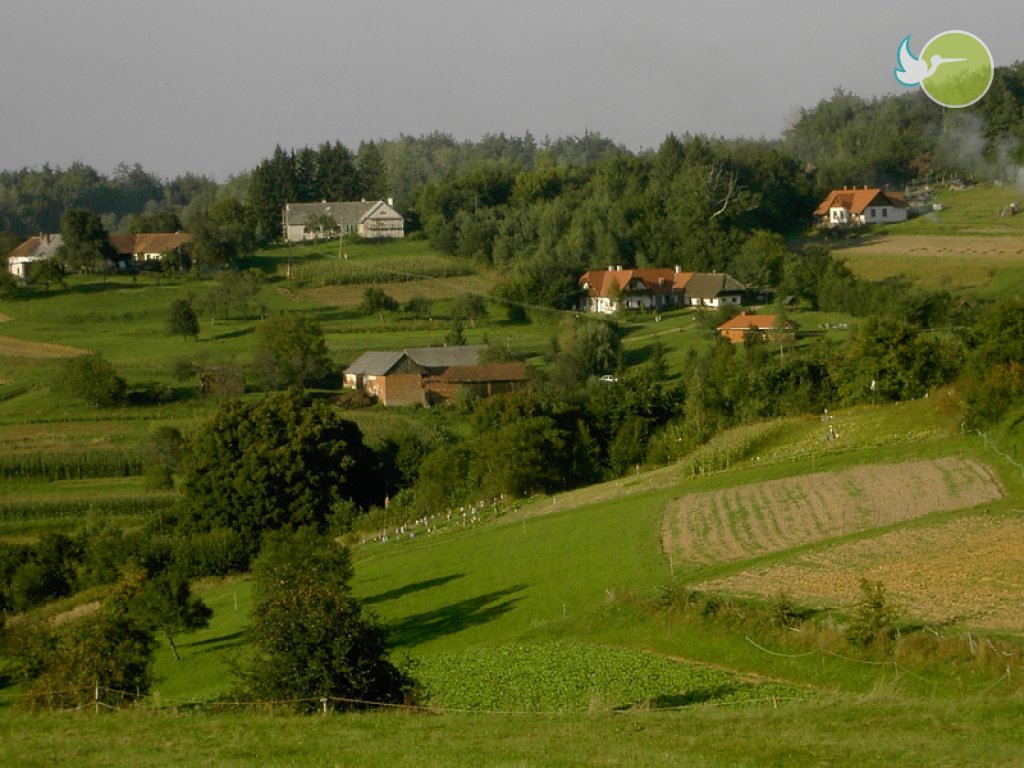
[{"x": 912, "y": 70}]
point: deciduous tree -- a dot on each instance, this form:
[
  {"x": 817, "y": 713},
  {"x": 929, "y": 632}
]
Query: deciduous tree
[
  {"x": 282, "y": 462},
  {"x": 290, "y": 351},
  {"x": 166, "y": 604},
  {"x": 314, "y": 643},
  {"x": 182, "y": 320},
  {"x": 92, "y": 378},
  {"x": 85, "y": 244}
]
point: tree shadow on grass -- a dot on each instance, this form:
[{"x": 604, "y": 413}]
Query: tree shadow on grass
[
  {"x": 418, "y": 586},
  {"x": 231, "y": 334},
  {"x": 421, "y": 627},
  {"x": 231, "y": 640},
  {"x": 685, "y": 699}
]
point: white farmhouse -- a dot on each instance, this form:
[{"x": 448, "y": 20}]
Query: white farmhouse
[
  {"x": 868, "y": 205},
  {"x": 37, "y": 248},
  {"x": 371, "y": 219}
]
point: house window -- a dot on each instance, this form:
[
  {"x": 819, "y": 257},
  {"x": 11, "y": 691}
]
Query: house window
[
  {"x": 885, "y": 213},
  {"x": 872, "y": 213}
]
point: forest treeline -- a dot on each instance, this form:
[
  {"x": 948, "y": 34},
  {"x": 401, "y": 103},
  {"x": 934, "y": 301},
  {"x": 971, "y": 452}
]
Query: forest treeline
[{"x": 484, "y": 197}]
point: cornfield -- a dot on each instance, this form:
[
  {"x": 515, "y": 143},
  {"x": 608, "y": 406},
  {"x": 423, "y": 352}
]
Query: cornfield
[{"x": 72, "y": 465}]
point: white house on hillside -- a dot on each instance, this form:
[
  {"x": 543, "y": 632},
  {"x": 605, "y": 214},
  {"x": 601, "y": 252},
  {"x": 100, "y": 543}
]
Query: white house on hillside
[
  {"x": 372, "y": 219},
  {"x": 843, "y": 207}
]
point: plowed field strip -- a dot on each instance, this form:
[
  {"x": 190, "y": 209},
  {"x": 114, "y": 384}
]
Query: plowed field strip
[
  {"x": 969, "y": 570},
  {"x": 749, "y": 520}
]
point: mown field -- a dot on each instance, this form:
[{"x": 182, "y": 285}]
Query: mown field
[{"x": 966, "y": 247}]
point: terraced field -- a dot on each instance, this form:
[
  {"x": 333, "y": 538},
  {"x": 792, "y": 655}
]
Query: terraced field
[{"x": 751, "y": 520}]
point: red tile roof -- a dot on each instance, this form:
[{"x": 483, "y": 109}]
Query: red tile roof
[
  {"x": 485, "y": 372},
  {"x": 597, "y": 282},
  {"x": 743, "y": 321},
  {"x": 857, "y": 200},
  {"x": 149, "y": 242}
]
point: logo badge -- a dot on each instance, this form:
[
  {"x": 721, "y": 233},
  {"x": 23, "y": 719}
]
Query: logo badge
[{"x": 955, "y": 68}]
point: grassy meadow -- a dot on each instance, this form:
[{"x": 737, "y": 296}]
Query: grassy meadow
[
  {"x": 966, "y": 247},
  {"x": 589, "y": 628}
]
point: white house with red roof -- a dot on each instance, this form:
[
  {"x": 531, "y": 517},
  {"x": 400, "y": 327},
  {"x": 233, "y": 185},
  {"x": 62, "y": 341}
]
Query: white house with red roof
[
  {"x": 867, "y": 205},
  {"x": 608, "y": 290}
]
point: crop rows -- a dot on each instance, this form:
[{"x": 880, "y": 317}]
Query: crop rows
[
  {"x": 71, "y": 465},
  {"x": 321, "y": 273},
  {"x": 60, "y": 510},
  {"x": 730, "y": 447},
  {"x": 571, "y": 677},
  {"x": 750, "y": 520}
]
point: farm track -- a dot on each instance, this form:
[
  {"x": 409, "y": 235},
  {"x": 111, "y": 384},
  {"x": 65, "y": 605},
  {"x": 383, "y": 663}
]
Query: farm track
[{"x": 12, "y": 347}]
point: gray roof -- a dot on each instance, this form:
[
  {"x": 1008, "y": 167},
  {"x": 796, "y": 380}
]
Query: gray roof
[
  {"x": 444, "y": 357},
  {"x": 38, "y": 247},
  {"x": 375, "y": 363},
  {"x": 344, "y": 213},
  {"x": 707, "y": 285},
  {"x": 380, "y": 363}
]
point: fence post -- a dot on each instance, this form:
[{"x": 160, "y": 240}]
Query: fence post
[{"x": 96, "y": 698}]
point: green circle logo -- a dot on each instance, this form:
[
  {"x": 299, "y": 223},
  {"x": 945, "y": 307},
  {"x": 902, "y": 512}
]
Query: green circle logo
[{"x": 955, "y": 68}]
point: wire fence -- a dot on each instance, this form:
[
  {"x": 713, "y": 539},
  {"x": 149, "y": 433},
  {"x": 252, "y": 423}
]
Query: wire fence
[
  {"x": 992, "y": 445},
  {"x": 97, "y": 699},
  {"x": 898, "y": 669}
]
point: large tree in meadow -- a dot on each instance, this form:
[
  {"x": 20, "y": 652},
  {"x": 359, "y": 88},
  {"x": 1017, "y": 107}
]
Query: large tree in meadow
[
  {"x": 282, "y": 462},
  {"x": 314, "y": 644},
  {"x": 290, "y": 351}
]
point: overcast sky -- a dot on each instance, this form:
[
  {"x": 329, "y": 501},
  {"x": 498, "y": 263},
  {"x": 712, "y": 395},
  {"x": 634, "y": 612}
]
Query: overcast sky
[{"x": 210, "y": 86}]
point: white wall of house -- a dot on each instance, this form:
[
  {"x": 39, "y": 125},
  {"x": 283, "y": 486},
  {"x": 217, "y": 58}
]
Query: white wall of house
[
  {"x": 600, "y": 304},
  {"x": 838, "y": 216},
  {"x": 884, "y": 214},
  {"x": 384, "y": 222},
  {"x": 20, "y": 265}
]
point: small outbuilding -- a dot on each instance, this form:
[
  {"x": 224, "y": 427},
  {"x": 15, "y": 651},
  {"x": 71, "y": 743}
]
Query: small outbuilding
[{"x": 767, "y": 327}]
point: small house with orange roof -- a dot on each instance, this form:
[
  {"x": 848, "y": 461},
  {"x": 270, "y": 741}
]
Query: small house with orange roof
[
  {"x": 149, "y": 246},
  {"x": 858, "y": 206},
  {"x": 767, "y": 327}
]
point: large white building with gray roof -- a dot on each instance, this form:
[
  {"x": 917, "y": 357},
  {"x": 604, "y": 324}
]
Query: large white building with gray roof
[{"x": 371, "y": 219}]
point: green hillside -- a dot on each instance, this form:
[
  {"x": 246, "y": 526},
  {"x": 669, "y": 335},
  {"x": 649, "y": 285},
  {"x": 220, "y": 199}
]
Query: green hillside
[{"x": 648, "y": 620}]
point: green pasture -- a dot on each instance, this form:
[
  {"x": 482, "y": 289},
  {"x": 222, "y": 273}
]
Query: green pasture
[
  {"x": 875, "y": 730},
  {"x": 970, "y": 211},
  {"x": 537, "y": 638},
  {"x": 964, "y": 248}
]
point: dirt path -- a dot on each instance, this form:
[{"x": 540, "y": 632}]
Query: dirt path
[{"x": 12, "y": 347}]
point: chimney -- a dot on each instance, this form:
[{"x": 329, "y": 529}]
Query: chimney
[
  {"x": 611, "y": 268},
  {"x": 677, "y": 269},
  {"x": 618, "y": 268},
  {"x": 391, "y": 202}
]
